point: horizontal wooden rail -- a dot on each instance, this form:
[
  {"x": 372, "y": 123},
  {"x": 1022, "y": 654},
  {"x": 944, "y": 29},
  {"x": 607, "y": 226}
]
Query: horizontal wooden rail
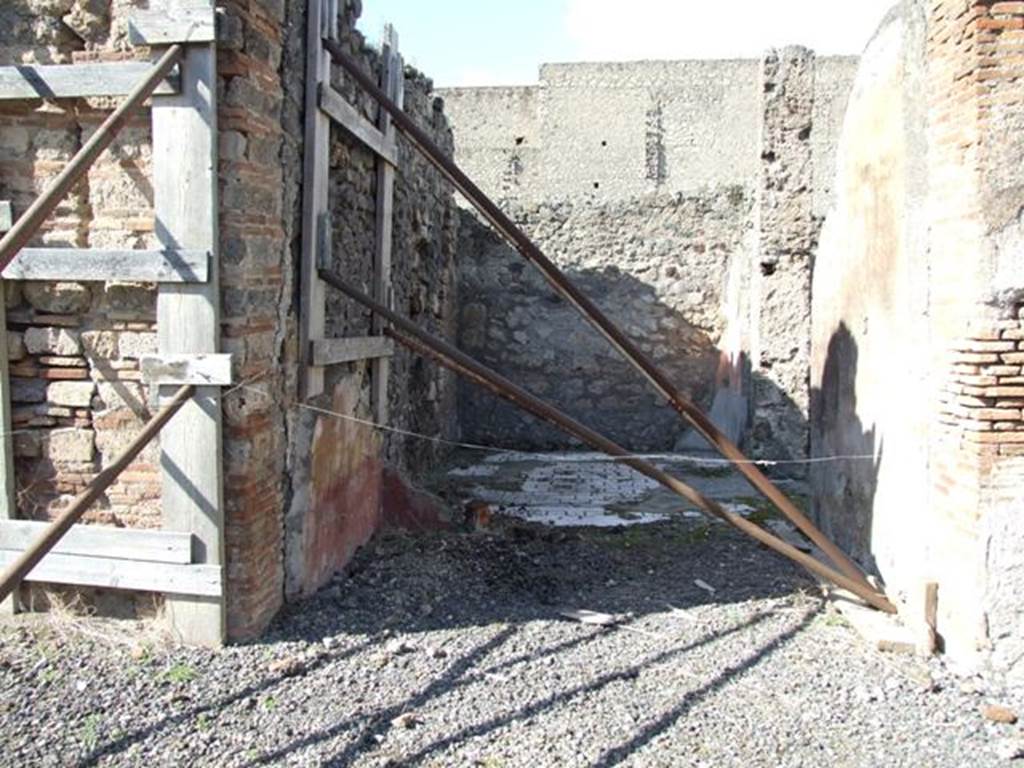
[
  {"x": 345, "y": 115},
  {"x": 425, "y": 344},
  {"x": 76, "y": 81},
  {"x": 85, "y": 264},
  {"x": 351, "y": 349},
  {"x": 28, "y": 559},
  {"x": 154, "y": 546},
  {"x": 28, "y": 223}
]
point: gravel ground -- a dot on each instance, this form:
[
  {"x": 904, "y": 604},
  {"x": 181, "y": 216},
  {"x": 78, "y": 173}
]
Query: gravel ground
[{"x": 449, "y": 649}]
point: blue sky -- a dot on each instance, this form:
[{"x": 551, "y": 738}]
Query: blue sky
[{"x": 502, "y": 42}]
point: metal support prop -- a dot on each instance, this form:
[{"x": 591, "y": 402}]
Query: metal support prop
[
  {"x": 29, "y": 222},
  {"x": 28, "y": 560},
  {"x": 567, "y": 290},
  {"x": 430, "y": 346}
]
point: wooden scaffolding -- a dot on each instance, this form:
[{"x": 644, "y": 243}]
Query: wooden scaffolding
[{"x": 184, "y": 560}]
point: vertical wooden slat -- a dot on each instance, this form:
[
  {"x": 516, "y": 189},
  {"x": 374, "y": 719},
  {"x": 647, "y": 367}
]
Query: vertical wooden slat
[
  {"x": 8, "y": 507},
  {"x": 394, "y": 86},
  {"x": 314, "y": 200},
  {"x": 186, "y": 200}
]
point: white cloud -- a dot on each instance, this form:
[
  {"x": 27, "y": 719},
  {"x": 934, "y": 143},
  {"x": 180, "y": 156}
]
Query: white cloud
[{"x": 610, "y": 30}]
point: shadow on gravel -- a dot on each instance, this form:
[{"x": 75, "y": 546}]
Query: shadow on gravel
[
  {"x": 668, "y": 719},
  {"x": 453, "y": 677},
  {"x": 403, "y": 586},
  {"x": 125, "y": 741},
  {"x": 501, "y": 586}
]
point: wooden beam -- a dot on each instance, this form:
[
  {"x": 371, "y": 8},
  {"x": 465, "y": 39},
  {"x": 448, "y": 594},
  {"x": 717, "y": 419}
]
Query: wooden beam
[
  {"x": 112, "y": 573},
  {"x": 349, "y": 118},
  {"x": 74, "y": 81},
  {"x": 27, "y": 225},
  {"x": 192, "y": 23},
  {"x": 394, "y": 86},
  {"x": 349, "y": 350},
  {"x": 167, "y": 266},
  {"x": 312, "y": 299},
  {"x": 102, "y": 541},
  {"x": 188, "y": 321},
  {"x": 169, "y": 369},
  {"x": 8, "y": 505}
]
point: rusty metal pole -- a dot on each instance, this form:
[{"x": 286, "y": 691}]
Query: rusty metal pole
[
  {"x": 30, "y": 558},
  {"x": 425, "y": 344},
  {"x": 28, "y": 223},
  {"x": 562, "y": 285}
]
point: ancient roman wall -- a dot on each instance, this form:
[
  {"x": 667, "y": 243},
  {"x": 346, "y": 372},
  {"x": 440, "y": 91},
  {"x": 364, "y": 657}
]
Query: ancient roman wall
[
  {"x": 74, "y": 347},
  {"x": 346, "y": 477},
  {"x": 917, "y": 295},
  {"x": 684, "y": 197}
]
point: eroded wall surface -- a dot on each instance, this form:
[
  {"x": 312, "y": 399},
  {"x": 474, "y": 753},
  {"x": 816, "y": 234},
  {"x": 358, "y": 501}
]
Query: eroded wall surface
[
  {"x": 683, "y": 197},
  {"x": 346, "y": 477},
  {"x": 917, "y": 290}
]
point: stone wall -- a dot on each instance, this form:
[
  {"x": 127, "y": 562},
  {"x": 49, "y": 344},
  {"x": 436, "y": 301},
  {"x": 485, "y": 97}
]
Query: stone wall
[
  {"x": 75, "y": 347},
  {"x": 345, "y": 476},
  {"x": 917, "y": 295},
  {"x": 653, "y": 185}
]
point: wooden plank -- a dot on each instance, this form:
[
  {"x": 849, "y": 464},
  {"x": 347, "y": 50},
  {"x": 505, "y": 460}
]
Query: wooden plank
[
  {"x": 188, "y": 321},
  {"x": 312, "y": 300},
  {"x": 8, "y": 506},
  {"x": 192, "y": 22},
  {"x": 348, "y": 117},
  {"x": 394, "y": 85},
  {"x": 74, "y": 81},
  {"x": 333, "y": 351},
  {"x": 331, "y": 20},
  {"x": 112, "y": 573},
  {"x": 167, "y": 369},
  {"x": 167, "y": 266},
  {"x": 103, "y": 541}
]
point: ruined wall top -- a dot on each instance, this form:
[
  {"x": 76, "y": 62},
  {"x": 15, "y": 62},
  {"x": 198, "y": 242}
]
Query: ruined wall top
[{"x": 611, "y": 131}]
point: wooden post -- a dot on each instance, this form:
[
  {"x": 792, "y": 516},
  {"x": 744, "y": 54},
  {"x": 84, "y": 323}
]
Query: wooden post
[
  {"x": 8, "y": 505},
  {"x": 188, "y": 321},
  {"x": 314, "y": 199},
  {"x": 394, "y": 86}
]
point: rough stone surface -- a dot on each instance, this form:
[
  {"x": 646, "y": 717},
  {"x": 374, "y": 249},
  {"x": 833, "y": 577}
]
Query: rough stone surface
[
  {"x": 654, "y": 264},
  {"x": 59, "y": 298},
  {"x": 73, "y": 393},
  {"x": 52, "y": 341}
]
